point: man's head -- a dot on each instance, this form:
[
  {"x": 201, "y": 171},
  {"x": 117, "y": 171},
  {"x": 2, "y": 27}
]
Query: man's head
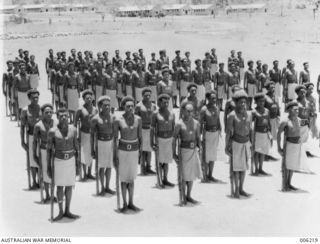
[
  {"x": 177, "y": 52},
  {"x": 50, "y": 52},
  {"x": 140, "y": 51},
  {"x": 128, "y": 53},
  {"x": 187, "y": 110},
  {"x": 22, "y": 67},
  {"x": 165, "y": 74},
  {"x": 152, "y": 65},
  {"x": 187, "y": 54},
  {"x": 306, "y": 65},
  {"x": 20, "y": 51},
  {"x": 211, "y": 97},
  {"x": 309, "y": 86},
  {"x": 264, "y": 67},
  {"x": 146, "y": 94},
  {"x": 259, "y": 98},
  {"x": 270, "y": 86},
  {"x": 33, "y": 95},
  {"x": 213, "y": 50},
  {"x": 9, "y": 64},
  {"x": 198, "y": 63},
  {"x": 129, "y": 65},
  {"x": 73, "y": 52},
  {"x": 109, "y": 67},
  {"x": 87, "y": 96},
  {"x": 71, "y": 67},
  {"x": 128, "y": 104},
  {"x": 250, "y": 63},
  {"x": 63, "y": 116},
  {"x": 163, "y": 101},
  {"x": 47, "y": 111},
  {"x": 233, "y": 52},
  {"x": 104, "y": 104},
  {"x": 119, "y": 64},
  {"x": 221, "y": 66},
  {"x": 192, "y": 89},
  {"x": 79, "y": 54},
  {"x": 292, "y": 108},
  {"x": 239, "y": 54},
  {"x": 240, "y": 97},
  {"x": 258, "y": 63},
  {"x": 26, "y": 53},
  {"x": 32, "y": 58},
  {"x": 275, "y": 63},
  {"x": 105, "y": 54},
  {"x": 301, "y": 91},
  {"x": 117, "y": 52}
]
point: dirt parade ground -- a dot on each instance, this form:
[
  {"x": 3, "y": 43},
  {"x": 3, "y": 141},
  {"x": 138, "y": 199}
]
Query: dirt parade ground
[{"x": 268, "y": 212}]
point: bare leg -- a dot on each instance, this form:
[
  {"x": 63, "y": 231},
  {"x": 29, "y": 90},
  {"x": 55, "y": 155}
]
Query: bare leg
[
  {"x": 131, "y": 192},
  {"x": 101, "y": 174},
  {"x": 68, "y": 194},
  {"x": 148, "y": 163},
  {"x": 46, "y": 189},
  {"x": 108, "y": 176},
  {"x": 165, "y": 175},
  {"x": 34, "y": 178},
  {"x": 90, "y": 176},
  {"x": 237, "y": 181},
  {"x": 124, "y": 196},
  {"x": 84, "y": 168},
  {"x": 242, "y": 177},
  {"x": 189, "y": 188},
  {"x": 291, "y": 187},
  {"x": 261, "y": 159},
  {"x": 256, "y": 163},
  {"x": 60, "y": 203}
]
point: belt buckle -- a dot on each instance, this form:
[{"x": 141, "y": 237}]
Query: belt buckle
[
  {"x": 129, "y": 147},
  {"x": 192, "y": 145},
  {"x": 66, "y": 156}
]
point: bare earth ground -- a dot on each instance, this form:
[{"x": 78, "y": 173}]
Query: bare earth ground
[{"x": 268, "y": 212}]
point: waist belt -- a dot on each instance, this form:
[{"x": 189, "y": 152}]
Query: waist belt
[
  {"x": 105, "y": 137},
  {"x": 23, "y": 89},
  {"x": 262, "y": 129},
  {"x": 165, "y": 134},
  {"x": 128, "y": 146},
  {"x": 64, "y": 155},
  {"x": 146, "y": 127},
  {"x": 240, "y": 139},
  {"x": 85, "y": 129},
  {"x": 295, "y": 140},
  {"x": 304, "y": 122},
  {"x": 211, "y": 128},
  {"x": 188, "y": 144},
  {"x": 43, "y": 146},
  {"x": 72, "y": 87}
]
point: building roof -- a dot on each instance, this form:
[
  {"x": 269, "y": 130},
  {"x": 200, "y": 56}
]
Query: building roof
[
  {"x": 201, "y": 6},
  {"x": 147, "y": 7},
  {"x": 247, "y": 6},
  {"x": 174, "y": 6},
  {"x": 57, "y": 5},
  {"x": 8, "y": 7},
  {"x": 128, "y": 8},
  {"x": 33, "y": 6}
]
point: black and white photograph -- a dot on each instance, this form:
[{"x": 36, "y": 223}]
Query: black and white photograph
[{"x": 159, "y": 118}]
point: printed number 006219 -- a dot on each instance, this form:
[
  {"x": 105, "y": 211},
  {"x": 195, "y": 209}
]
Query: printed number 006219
[{"x": 307, "y": 240}]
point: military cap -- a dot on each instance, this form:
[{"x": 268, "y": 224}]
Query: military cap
[{"x": 299, "y": 87}]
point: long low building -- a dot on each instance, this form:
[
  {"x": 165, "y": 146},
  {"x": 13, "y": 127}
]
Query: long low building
[
  {"x": 246, "y": 8},
  {"x": 173, "y": 9}
]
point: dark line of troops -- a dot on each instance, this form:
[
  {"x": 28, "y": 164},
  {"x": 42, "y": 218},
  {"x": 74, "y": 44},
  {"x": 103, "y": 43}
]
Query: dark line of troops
[{"x": 92, "y": 131}]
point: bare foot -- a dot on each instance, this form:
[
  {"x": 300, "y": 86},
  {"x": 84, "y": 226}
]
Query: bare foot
[
  {"x": 133, "y": 207},
  {"x": 109, "y": 191},
  {"x": 291, "y": 187},
  {"x": 124, "y": 209},
  {"x": 101, "y": 193},
  {"x": 190, "y": 199},
  {"x": 263, "y": 172},
  {"x": 71, "y": 215},
  {"x": 91, "y": 177},
  {"x": 243, "y": 193},
  {"x": 59, "y": 217}
]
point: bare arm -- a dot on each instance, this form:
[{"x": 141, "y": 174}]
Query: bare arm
[
  {"x": 36, "y": 137},
  {"x": 50, "y": 147},
  {"x": 153, "y": 131},
  {"x": 92, "y": 136},
  {"x": 281, "y": 129},
  {"x": 23, "y": 128}
]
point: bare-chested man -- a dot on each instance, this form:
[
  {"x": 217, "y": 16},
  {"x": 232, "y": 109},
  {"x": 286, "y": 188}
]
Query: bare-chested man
[
  {"x": 49, "y": 63},
  {"x": 59, "y": 78},
  {"x": 290, "y": 81},
  {"x": 165, "y": 86},
  {"x": 129, "y": 78},
  {"x": 304, "y": 76},
  {"x": 40, "y": 139},
  {"x": 185, "y": 78},
  {"x": 103, "y": 152},
  {"x": 313, "y": 110},
  {"x": 73, "y": 91},
  {"x": 152, "y": 78},
  {"x": 144, "y": 109},
  {"x": 162, "y": 128},
  {"x": 7, "y": 87},
  {"x": 140, "y": 83},
  {"x": 119, "y": 71},
  {"x": 234, "y": 79},
  {"x": 275, "y": 76},
  {"x": 192, "y": 98},
  {"x": 33, "y": 71},
  {"x": 250, "y": 83},
  {"x": 262, "y": 133},
  {"x": 21, "y": 84},
  {"x": 63, "y": 161},
  {"x": 83, "y": 116},
  {"x": 292, "y": 150},
  {"x": 197, "y": 77},
  {"x": 238, "y": 137},
  {"x": 30, "y": 115},
  {"x": 175, "y": 72},
  {"x": 111, "y": 86},
  {"x": 263, "y": 78},
  {"x": 230, "y": 105},
  {"x": 221, "y": 79},
  {"x": 130, "y": 147},
  {"x": 188, "y": 130},
  {"x": 241, "y": 66},
  {"x": 211, "y": 130}
]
